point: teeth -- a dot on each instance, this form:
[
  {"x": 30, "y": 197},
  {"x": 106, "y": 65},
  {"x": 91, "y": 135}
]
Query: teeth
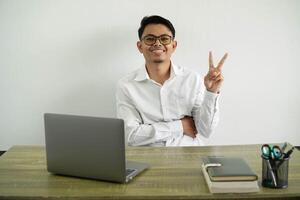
[{"x": 158, "y": 51}]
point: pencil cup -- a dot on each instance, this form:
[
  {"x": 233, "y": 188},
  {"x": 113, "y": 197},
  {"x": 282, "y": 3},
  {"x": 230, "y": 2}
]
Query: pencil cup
[{"x": 275, "y": 172}]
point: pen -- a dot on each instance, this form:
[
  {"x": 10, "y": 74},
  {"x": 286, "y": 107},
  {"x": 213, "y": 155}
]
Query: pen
[
  {"x": 283, "y": 147},
  {"x": 287, "y": 155}
]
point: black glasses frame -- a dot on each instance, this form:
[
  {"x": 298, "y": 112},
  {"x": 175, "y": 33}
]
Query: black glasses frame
[{"x": 157, "y": 38}]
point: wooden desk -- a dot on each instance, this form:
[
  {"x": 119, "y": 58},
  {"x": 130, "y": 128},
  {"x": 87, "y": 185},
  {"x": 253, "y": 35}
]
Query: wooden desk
[{"x": 175, "y": 173}]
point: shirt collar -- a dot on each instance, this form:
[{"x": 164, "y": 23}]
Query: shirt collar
[{"x": 142, "y": 73}]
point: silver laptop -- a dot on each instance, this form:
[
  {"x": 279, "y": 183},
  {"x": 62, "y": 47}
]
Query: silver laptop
[{"x": 88, "y": 147}]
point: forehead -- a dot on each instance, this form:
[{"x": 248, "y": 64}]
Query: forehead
[{"x": 156, "y": 29}]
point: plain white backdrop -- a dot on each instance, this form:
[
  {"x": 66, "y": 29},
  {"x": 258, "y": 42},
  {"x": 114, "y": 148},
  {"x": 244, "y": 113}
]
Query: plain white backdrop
[{"x": 66, "y": 56}]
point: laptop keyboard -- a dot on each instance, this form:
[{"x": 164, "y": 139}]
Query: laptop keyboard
[{"x": 129, "y": 171}]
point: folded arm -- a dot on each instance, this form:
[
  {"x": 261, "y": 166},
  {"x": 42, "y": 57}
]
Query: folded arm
[{"x": 137, "y": 133}]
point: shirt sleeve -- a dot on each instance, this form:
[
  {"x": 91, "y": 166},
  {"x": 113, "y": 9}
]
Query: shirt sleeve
[
  {"x": 206, "y": 111},
  {"x": 136, "y": 132}
]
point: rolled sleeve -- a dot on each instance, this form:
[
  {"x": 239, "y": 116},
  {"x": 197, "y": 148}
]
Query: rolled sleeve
[{"x": 172, "y": 129}]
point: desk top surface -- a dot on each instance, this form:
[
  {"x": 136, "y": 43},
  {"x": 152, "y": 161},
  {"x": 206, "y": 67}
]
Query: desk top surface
[{"x": 175, "y": 173}]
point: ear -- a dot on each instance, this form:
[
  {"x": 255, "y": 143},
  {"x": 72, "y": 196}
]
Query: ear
[
  {"x": 139, "y": 46},
  {"x": 174, "y": 45}
]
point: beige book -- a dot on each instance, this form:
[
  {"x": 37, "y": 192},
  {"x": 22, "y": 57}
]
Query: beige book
[{"x": 229, "y": 186}]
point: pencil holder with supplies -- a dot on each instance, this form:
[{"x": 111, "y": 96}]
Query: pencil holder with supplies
[{"x": 275, "y": 165}]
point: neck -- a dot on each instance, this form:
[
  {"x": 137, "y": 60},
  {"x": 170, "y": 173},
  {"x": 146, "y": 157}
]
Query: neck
[{"x": 159, "y": 72}]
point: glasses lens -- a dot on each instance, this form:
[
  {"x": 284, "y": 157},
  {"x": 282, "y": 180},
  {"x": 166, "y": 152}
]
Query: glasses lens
[
  {"x": 165, "y": 39},
  {"x": 149, "y": 40}
]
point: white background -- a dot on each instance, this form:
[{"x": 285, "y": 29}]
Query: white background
[{"x": 66, "y": 56}]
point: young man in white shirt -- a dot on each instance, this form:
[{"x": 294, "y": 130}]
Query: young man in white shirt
[{"x": 161, "y": 103}]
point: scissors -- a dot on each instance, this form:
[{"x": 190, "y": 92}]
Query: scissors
[{"x": 271, "y": 152}]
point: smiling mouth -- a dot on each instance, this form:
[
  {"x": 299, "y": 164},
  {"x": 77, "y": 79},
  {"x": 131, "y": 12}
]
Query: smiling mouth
[{"x": 158, "y": 51}]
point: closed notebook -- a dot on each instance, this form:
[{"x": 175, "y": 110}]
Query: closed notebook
[
  {"x": 230, "y": 169},
  {"x": 229, "y": 186}
]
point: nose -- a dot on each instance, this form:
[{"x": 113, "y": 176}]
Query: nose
[{"x": 157, "y": 43}]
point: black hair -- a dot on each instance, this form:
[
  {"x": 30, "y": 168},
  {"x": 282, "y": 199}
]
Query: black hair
[{"x": 155, "y": 19}]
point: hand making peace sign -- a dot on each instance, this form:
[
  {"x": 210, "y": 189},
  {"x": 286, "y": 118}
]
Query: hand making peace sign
[{"x": 213, "y": 79}]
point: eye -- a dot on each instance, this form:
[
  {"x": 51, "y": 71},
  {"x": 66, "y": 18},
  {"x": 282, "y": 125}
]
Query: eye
[
  {"x": 165, "y": 39},
  {"x": 149, "y": 39}
]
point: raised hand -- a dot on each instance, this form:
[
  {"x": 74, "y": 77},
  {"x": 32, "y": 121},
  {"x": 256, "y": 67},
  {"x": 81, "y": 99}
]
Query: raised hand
[{"x": 213, "y": 79}]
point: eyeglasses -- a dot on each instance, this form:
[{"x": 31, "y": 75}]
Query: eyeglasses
[{"x": 163, "y": 39}]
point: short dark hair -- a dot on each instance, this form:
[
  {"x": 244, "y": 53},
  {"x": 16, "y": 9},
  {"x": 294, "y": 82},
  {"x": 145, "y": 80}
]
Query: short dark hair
[{"x": 155, "y": 19}]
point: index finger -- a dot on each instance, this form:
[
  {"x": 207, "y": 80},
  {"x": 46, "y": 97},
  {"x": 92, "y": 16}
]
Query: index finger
[
  {"x": 210, "y": 61},
  {"x": 219, "y": 67}
]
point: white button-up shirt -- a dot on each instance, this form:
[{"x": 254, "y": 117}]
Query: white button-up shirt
[{"x": 152, "y": 111}]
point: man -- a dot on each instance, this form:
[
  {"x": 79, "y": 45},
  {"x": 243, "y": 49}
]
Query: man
[{"x": 161, "y": 103}]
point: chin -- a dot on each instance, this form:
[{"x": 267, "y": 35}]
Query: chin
[{"x": 158, "y": 61}]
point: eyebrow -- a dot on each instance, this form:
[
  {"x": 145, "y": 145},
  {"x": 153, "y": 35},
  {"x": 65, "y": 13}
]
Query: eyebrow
[{"x": 157, "y": 36}]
